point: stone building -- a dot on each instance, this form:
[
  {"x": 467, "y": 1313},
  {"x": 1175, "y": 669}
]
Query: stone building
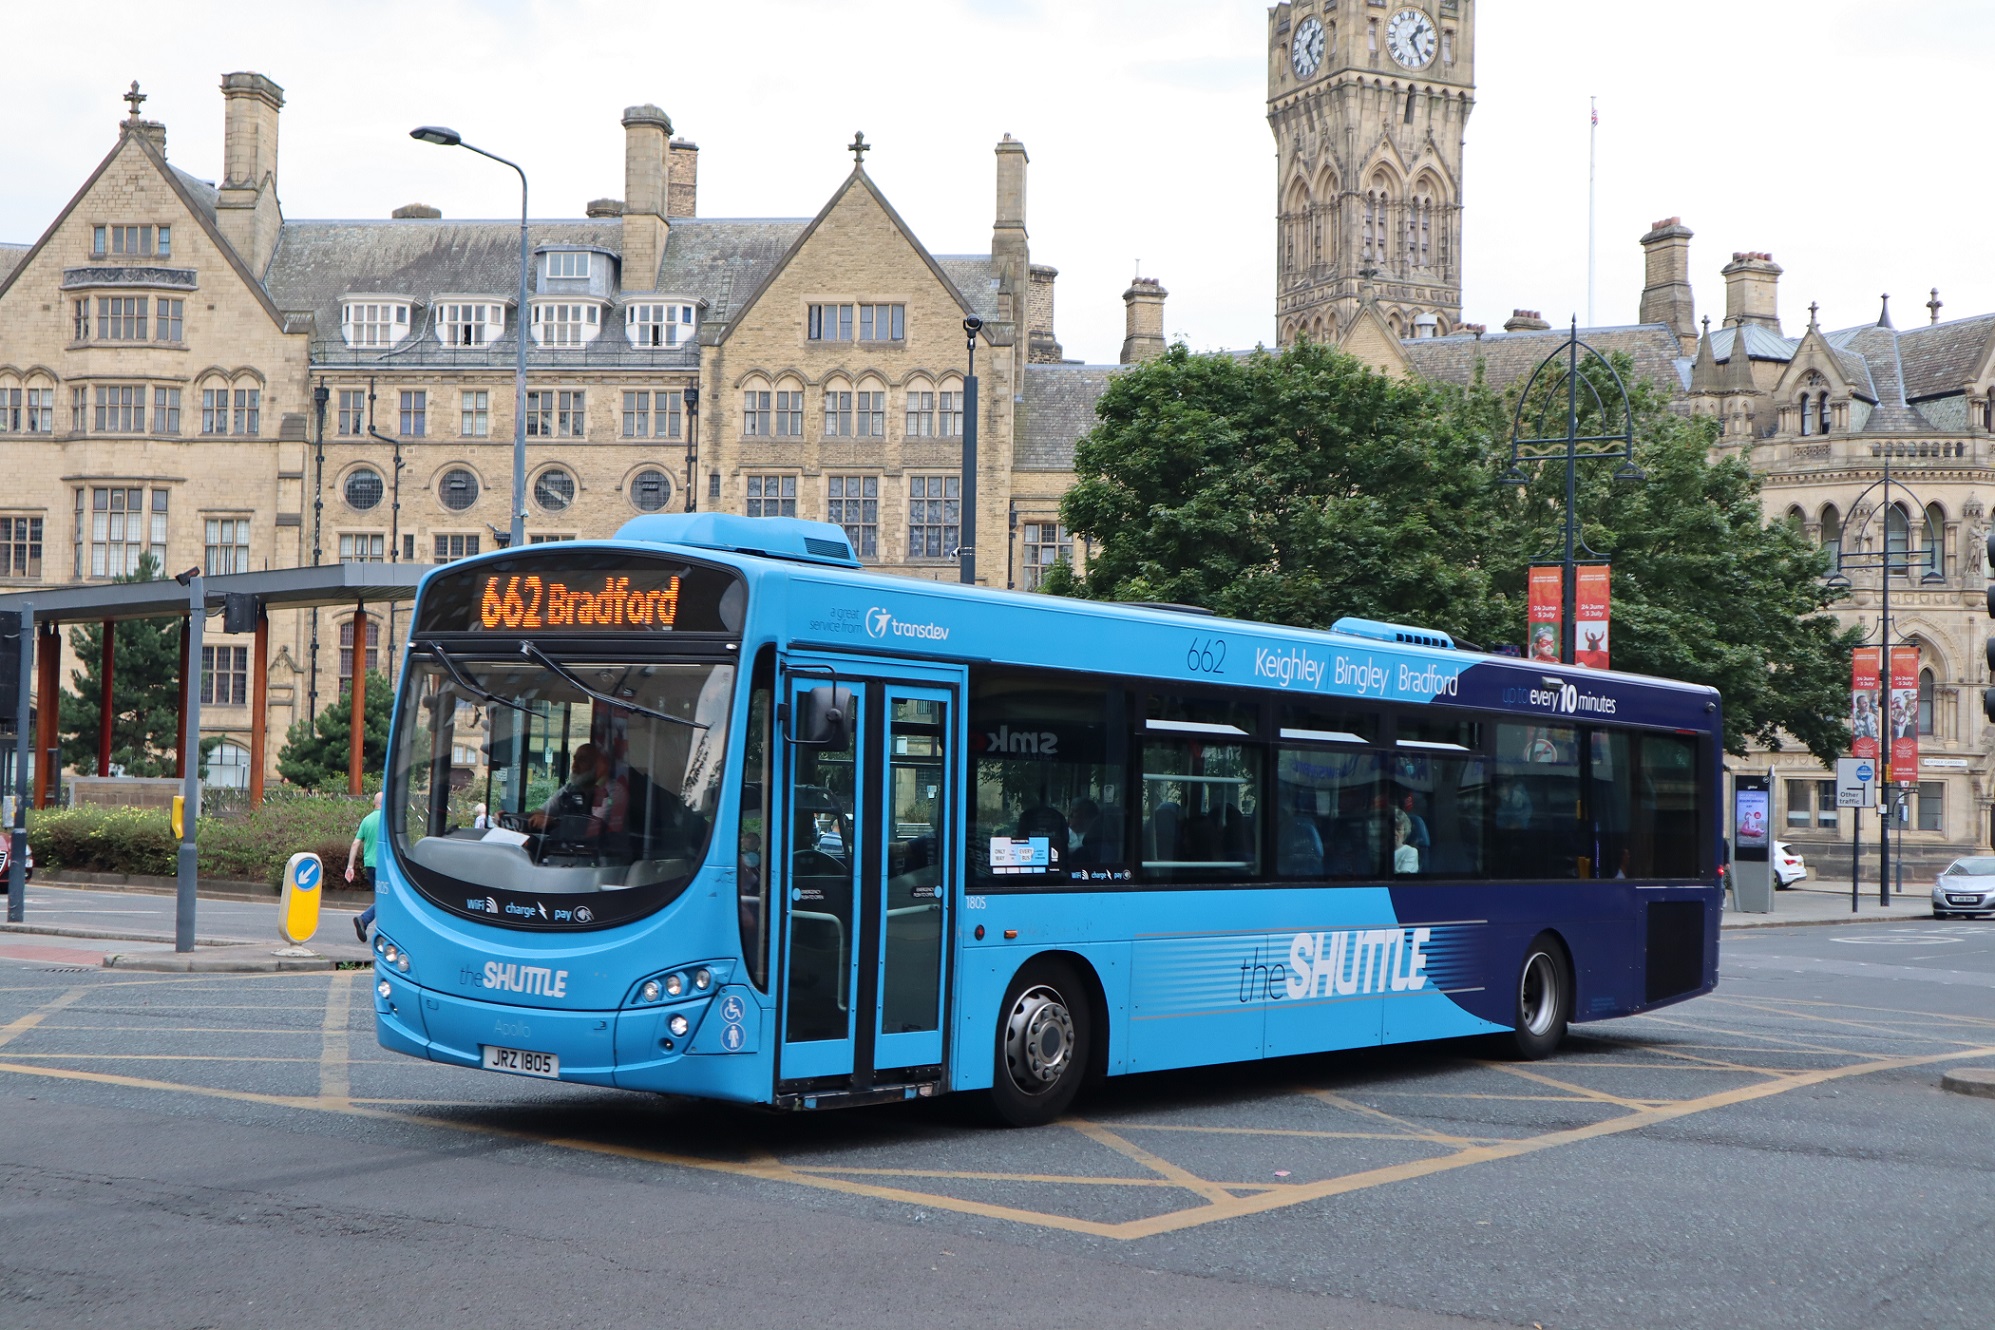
[
  {"x": 1818, "y": 413},
  {"x": 188, "y": 373}
]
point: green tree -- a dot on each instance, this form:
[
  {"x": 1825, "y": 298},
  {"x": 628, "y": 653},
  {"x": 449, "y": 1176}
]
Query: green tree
[
  {"x": 145, "y": 698},
  {"x": 1293, "y": 488},
  {"x": 1300, "y": 487},
  {"x": 315, "y": 752}
]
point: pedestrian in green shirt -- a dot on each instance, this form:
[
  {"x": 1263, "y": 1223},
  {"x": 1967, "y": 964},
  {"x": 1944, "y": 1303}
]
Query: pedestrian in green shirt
[{"x": 365, "y": 848}]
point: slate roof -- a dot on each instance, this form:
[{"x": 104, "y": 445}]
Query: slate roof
[
  {"x": 1059, "y": 409},
  {"x": 10, "y": 258},
  {"x": 976, "y": 277},
  {"x": 723, "y": 260},
  {"x": 1761, "y": 344},
  {"x": 1940, "y": 357},
  {"x": 1509, "y": 358}
]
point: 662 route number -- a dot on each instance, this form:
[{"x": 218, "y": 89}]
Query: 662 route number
[{"x": 1206, "y": 655}]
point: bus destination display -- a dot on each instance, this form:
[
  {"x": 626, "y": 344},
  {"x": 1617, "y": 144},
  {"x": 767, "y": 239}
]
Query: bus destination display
[
  {"x": 535, "y": 602},
  {"x": 582, "y": 594}
]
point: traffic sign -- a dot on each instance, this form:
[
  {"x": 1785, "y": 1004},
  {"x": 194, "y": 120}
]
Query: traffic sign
[
  {"x": 298, "y": 909},
  {"x": 1856, "y": 783}
]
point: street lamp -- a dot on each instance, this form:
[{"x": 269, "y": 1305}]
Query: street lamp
[
  {"x": 450, "y": 138},
  {"x": 967, "y": 541}
]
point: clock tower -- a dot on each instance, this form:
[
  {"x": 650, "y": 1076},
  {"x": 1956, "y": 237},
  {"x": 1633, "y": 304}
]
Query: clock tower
[{"x": 1369, "y": 101}]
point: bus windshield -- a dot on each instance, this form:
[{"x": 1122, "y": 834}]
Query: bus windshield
[{"x": 551, "y": 790}]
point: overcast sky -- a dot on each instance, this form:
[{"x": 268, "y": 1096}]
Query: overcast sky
[{"x": 1843, "y": 136}]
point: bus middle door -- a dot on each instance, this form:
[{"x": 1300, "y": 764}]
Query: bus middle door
[{"x": 867, "y": 887}]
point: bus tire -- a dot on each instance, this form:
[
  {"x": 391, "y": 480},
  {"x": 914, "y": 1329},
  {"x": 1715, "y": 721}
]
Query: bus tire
[
  {"x": 1543, "y": 1003},
  {"x": 1043, "y": 1044}
]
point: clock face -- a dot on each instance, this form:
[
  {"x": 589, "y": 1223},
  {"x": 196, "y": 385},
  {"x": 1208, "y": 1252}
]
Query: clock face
[
  {"x": 1307, "y": 52},
  {"x": 1410, "y": 38}
]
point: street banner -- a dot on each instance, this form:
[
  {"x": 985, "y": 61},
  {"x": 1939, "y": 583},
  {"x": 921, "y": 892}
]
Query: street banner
[
  {"x": 1864, "y": 726},
  {"x": 1904, "y": 715},
  {"x": 1589, "y": 616},
  {"x": 1544, "y": 601}
]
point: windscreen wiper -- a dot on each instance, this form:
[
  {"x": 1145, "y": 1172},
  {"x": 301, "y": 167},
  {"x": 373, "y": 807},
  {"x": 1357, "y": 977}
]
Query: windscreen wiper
[
  {"x": 533, "y": 652},
  {"x": 457, "y": 677}
]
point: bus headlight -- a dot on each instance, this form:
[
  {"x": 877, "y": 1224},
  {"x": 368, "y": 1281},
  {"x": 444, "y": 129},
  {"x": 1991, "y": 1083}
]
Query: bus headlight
[
  {"x": 702, "y": 979},
  {"x": 678, "y": 1025},
  {"x": 384, "y": 988},
  {"x": 391, "y": 953},
  {"x": 651, "y": 991},
  {"x": 675, "y": 984},
  {"x": 402, "y": 962}
]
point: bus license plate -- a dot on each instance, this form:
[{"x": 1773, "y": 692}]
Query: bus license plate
[{"x": 521, "y": 1062}]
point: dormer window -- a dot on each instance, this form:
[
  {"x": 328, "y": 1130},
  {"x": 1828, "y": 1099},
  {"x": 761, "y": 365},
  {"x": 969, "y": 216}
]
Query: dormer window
[
  {"x": 374, "y": 322},
  {"x": 469, "y": 323},
  {"x": 568, "y": 263},
  {"x": 659, "y": 324},
  {"x": 564, "y": 323}
]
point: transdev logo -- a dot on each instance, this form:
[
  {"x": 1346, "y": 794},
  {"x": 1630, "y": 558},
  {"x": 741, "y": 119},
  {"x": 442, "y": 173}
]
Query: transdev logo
[{"x": 881, "y": 624}]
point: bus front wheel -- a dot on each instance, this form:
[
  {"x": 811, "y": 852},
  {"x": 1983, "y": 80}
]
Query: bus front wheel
[
  {"x": 1544, "y": 1001},
  {"x": 1043, "y": 1041}
]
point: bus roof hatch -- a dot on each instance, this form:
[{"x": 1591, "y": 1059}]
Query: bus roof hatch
[{"x": 769, "y": 537}]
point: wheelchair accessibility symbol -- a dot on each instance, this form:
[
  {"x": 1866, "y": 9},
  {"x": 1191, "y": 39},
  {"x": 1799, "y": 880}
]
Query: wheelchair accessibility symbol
[{"x": 732, "y": 1008}]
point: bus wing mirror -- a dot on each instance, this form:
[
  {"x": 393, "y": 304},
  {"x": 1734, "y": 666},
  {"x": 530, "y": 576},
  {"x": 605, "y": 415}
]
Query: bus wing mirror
[{"x": 824, "y": 718}]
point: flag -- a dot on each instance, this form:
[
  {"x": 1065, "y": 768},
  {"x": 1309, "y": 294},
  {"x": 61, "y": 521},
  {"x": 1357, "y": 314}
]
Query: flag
[
  {"x": 1904, "y": 715},
  {"x": 1544, "y": 613},
  {"x": 1590, "y": 614}
]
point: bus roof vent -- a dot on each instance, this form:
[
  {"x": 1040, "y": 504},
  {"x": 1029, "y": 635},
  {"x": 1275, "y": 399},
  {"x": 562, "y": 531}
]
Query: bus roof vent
[
  {"x": 768, "y": 537},
  {"x": 1393, "y": 632}
]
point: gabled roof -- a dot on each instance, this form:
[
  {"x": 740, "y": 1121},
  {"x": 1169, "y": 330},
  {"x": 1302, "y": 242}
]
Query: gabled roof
[
  {"x": 857, "y": 180},
  {"x": 197, "y": 195},
  {"x": 1761, "y": 343},
  {"x": 722, "y": 261}
]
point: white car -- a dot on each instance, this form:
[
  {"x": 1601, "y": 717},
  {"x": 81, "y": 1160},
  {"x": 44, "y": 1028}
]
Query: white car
[
  {"x": 1967, "y": 887},
  {"x": 1787, "y": 866}
]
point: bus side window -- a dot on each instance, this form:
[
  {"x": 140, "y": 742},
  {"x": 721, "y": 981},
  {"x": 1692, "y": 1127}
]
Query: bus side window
[
  {"x": 752, "y": 829},
  {"x": 1327, "y": 805},
  {"x": 1534, "y": 807},
  {"x": 1049, "y": 761},
  {"x": 1201, "y": 788},
  {"x": 1668, "y": 819}
]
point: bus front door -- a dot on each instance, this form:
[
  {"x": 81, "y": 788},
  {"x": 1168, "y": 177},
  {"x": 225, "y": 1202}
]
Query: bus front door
[{"x": 868, "y": 890}]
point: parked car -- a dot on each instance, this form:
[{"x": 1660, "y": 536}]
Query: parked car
[
  {"x": 27, "y": 860},
  {"x": 1787, "y": 866},
  {"x": 1966, "y": 887}
]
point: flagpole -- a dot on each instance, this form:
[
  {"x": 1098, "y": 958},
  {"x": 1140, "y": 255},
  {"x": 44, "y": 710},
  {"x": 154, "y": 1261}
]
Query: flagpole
[{"x": 1592, "y": 139}]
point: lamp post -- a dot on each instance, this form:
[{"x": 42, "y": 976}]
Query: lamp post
[
  {"x": 1614, "y": 423},
  {"x": 1885, "y": 563},
  {"x": 450, "y": 138},
  {"x": 967, "y": 542},
  {"x": 692, "y": 400}
]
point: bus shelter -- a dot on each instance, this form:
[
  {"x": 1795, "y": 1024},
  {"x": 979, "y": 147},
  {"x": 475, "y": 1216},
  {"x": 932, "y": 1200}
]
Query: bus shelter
[{"x": 245, "y": 601}]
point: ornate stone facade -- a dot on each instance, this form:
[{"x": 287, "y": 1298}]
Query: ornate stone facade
[
  {"x": 1369, "y": 102},
  {"x": 186, "y": 372}
]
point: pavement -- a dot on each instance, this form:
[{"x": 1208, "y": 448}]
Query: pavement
[
  {"x": 1814, "y": 901},
  {"x": 133, "y": 930},
  {"x": 234, "y": 1150}
]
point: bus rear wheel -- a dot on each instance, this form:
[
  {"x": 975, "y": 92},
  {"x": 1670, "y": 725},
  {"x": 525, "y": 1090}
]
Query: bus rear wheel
[
  {"x": 1544, "y": 1001},
  {"x": 1043, "y": 1042}
]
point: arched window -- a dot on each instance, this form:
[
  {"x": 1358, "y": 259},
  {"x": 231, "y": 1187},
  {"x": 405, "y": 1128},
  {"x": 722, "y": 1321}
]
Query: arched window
[
  {"x": 1897, "y": 540},
  {"x": 1935, "y": 533},
  {"x": 1807, "y": 414},
  {"x": 228, "y": 767},
  {"x": 1926, "y": 688},
  {"x": 1796, "y": 516},
  {"x": 1832, "y": 535},
  {"x": 1822, "y": 412}
]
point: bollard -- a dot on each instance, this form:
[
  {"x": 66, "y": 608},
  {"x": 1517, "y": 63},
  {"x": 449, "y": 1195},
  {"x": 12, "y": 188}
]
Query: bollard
[{"x": 298, "y": 908}]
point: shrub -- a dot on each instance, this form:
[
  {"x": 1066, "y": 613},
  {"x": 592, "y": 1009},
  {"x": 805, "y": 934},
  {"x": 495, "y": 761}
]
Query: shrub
[{"x": 243, "y": 845}]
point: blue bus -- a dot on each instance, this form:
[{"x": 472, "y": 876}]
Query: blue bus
[{"x": 761, "y": 826}]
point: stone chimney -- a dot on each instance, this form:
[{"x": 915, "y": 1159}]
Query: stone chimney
[
  {"x": 603, "y": 208},
  {"x": 246, "y": 208},
  {"x": 1143, "y": 303},
  {"x": 1752, "y": 283},
  {"x": 682, "y": 195},
  {"x": 1010, "y": 250},
  {"x": 1526, "y": 320},
  {"x": 647, "y": 132},
  {"x": 1041, "y": 346},
  {"x": 1666, "y": 296},
  {"x": 416, "y": 210}
]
